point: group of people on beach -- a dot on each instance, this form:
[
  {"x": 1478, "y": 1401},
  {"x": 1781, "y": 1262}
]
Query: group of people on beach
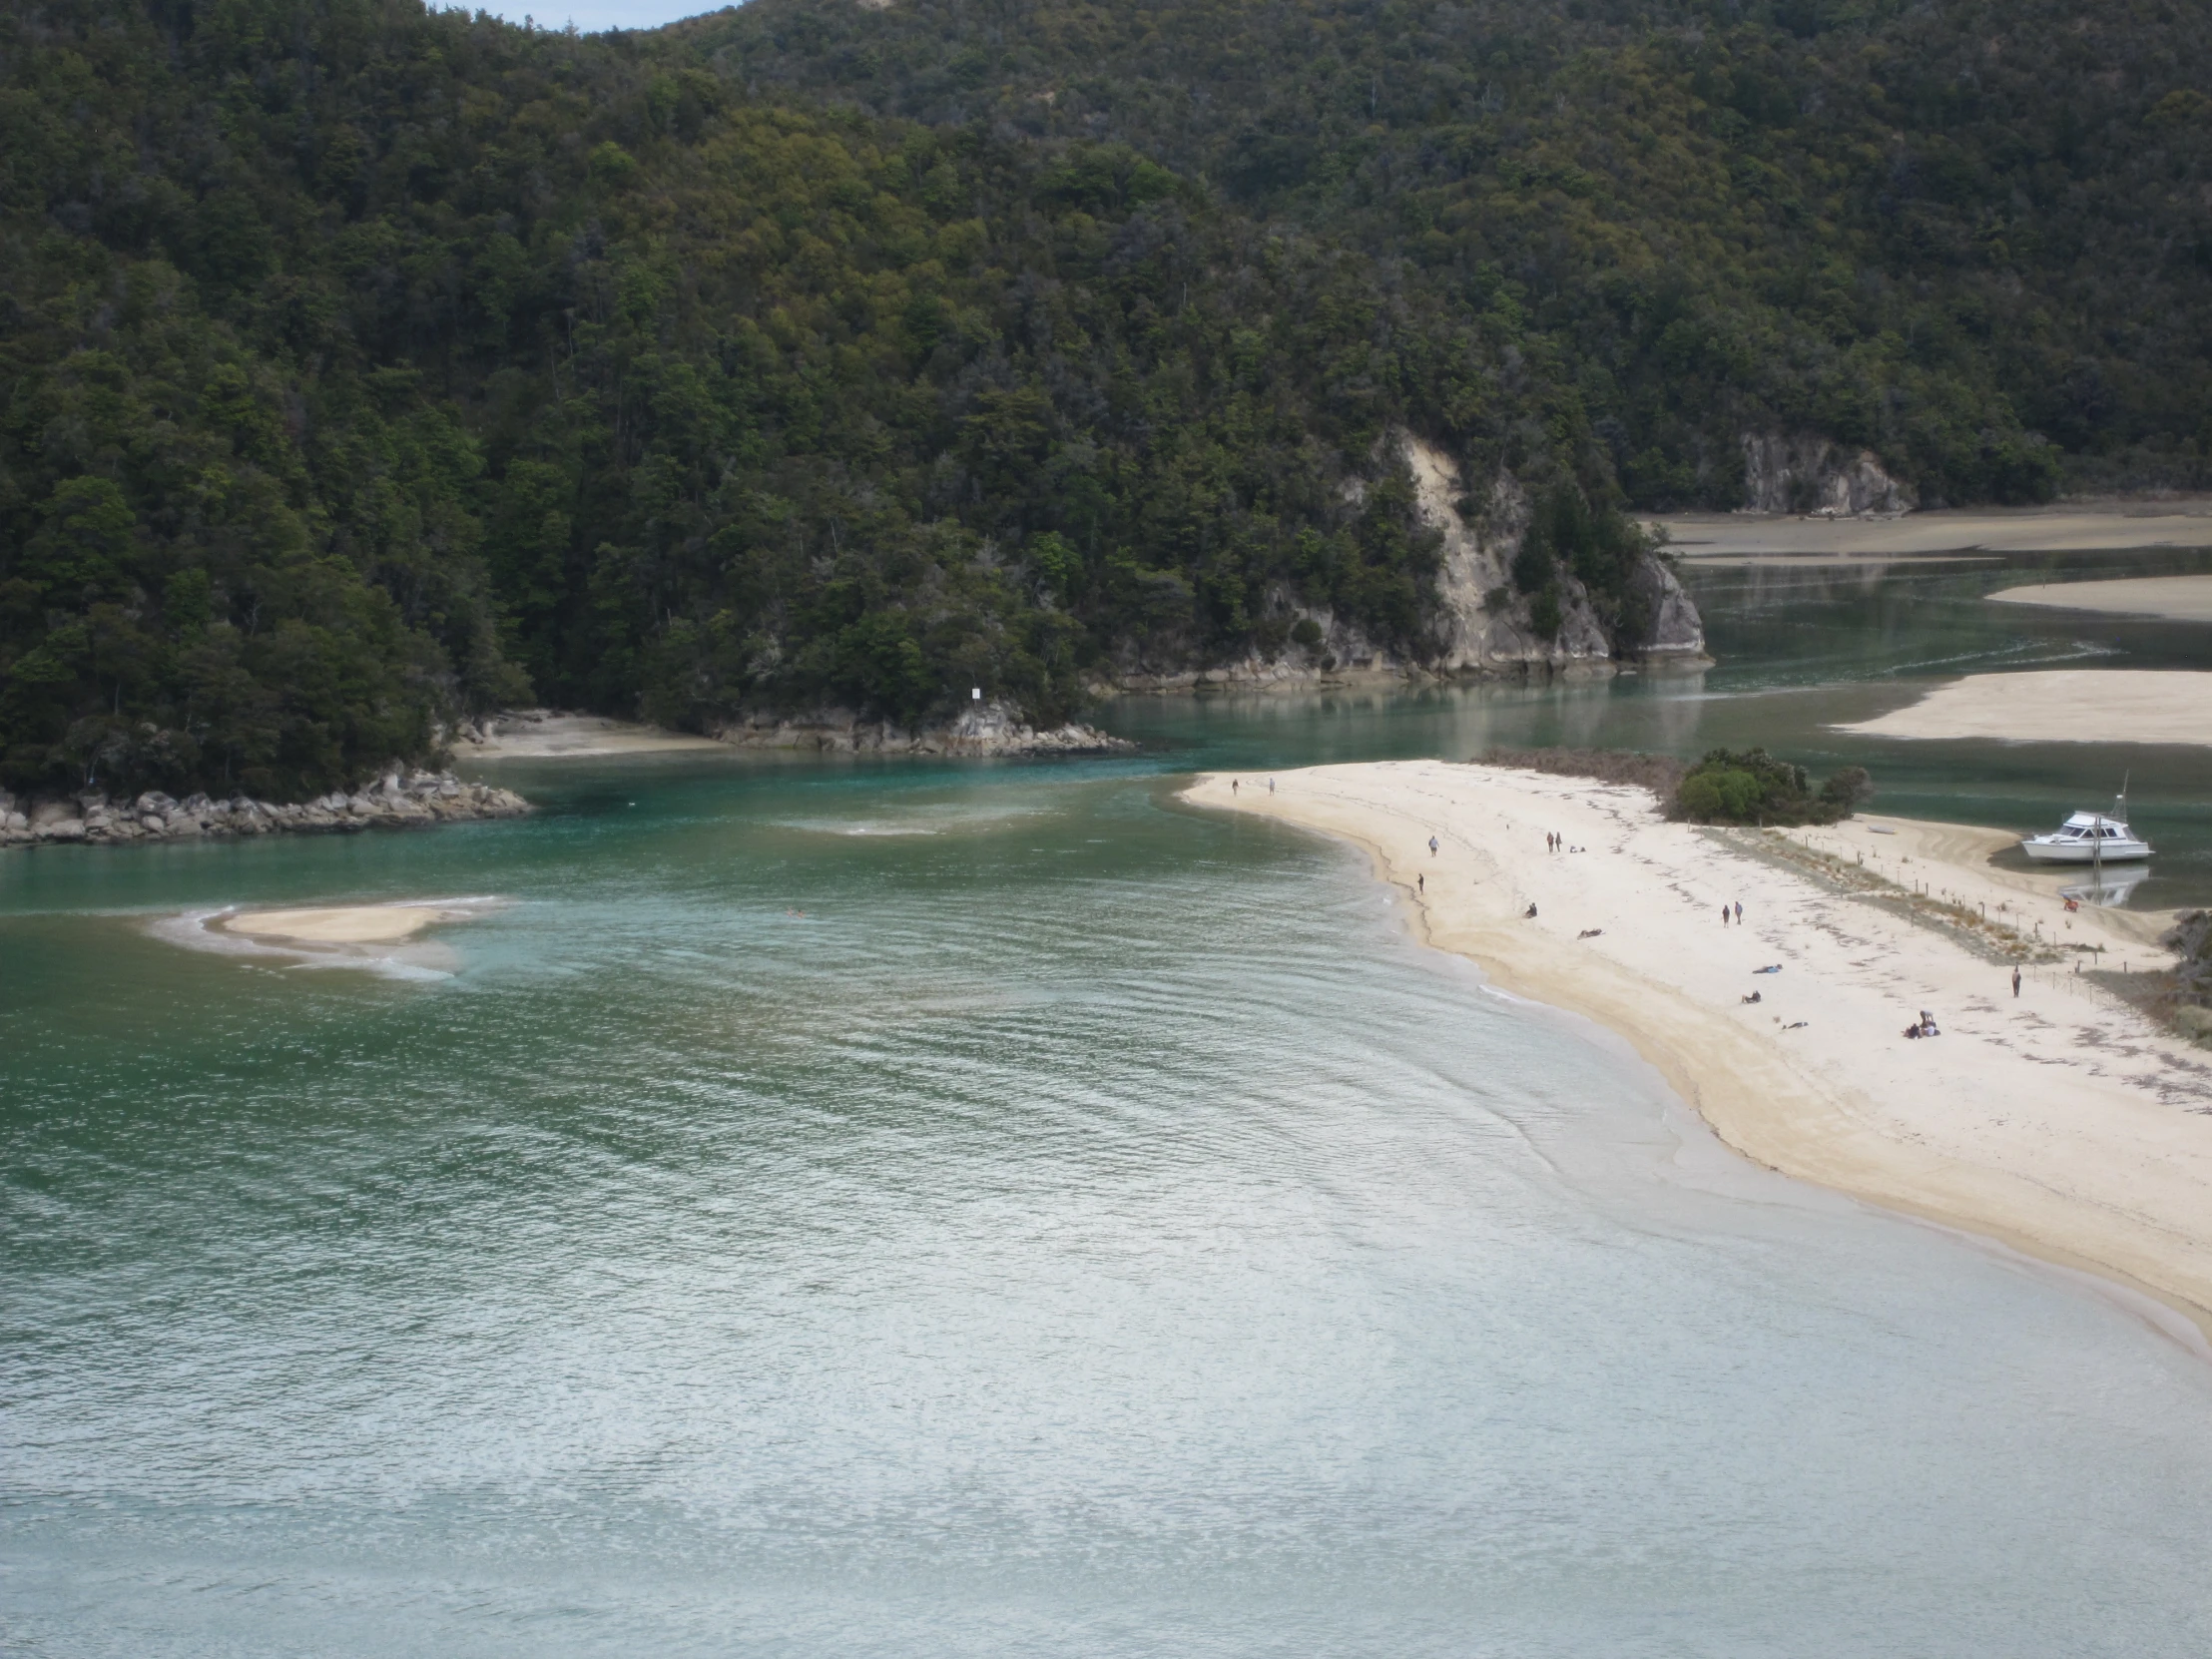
[
  {"x": 1925, "y": 1027},
  {"x": 1739, "y": 912}
]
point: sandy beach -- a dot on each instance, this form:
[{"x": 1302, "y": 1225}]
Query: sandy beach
[
  {"x": 2059, "y": 706},
  {"x": 2075, "y": 527},
  {"x": 2062, "y": 1122},
  {"x": 2174, "y": 598}
]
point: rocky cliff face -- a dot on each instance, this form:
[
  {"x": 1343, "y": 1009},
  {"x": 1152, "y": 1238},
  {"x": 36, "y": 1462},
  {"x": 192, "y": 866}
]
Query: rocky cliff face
[
  {"x": 1486, "y": 624},
  {"x": 1677, "y": 632},
  {"x": 981, "y": 729},
  {"x": 396, "y": 800},
  {"x": 1810, "y": 475}
]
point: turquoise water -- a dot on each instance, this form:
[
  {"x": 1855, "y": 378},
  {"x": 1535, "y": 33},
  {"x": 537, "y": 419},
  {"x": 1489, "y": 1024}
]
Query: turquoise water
[
  {"x": 919, "y": 1209},
  {"x": 1801, "y": 648}
]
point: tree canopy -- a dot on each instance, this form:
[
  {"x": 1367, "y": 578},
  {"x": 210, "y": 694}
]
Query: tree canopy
[{"x": 368, "y": 366}]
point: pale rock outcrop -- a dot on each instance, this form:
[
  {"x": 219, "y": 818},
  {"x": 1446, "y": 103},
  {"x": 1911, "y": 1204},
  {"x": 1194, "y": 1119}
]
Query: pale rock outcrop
[
  {"x": 1486, "y": 626},
  {"x": 1811, "y": 476},
  {"x": 1677, "y": 631},
  {"x": 1481, "y": 636},
  {"x": 398, "y": 798}
]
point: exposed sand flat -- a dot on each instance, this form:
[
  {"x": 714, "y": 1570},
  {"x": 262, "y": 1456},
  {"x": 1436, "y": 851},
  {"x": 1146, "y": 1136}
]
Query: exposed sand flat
[
  {"x": 343, "y": 923},
  {"x": 382, "y": 938},
  {"x": 2078, "y": 527},
  {"x": 2175, "y": 597},
  {"x": 542, "y": 737},
  {"x": 2061, "y": 1123},
  {"x": 2061, "y": 705}
]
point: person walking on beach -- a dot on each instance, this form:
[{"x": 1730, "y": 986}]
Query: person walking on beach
[
  {"x": 1232, "y": 786},
  {"x": 1739, "y": 911},
  {"x": 2015, "y": 981},
  {"x": 1431, "y": 846},
  {"x": 1422, "y": 883},
  {"x": 1270, "y": 785},
  {"x": 1724, "y": 916}
]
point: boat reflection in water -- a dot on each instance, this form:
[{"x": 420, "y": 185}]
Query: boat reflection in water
[{"x": 2109, "y": 888}]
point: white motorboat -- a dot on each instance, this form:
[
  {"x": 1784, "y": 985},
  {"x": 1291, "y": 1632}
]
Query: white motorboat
[{"x": 2095, "y": 838}]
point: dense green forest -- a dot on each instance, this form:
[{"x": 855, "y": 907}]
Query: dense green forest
[
  {"x": 365, "y": 365},
  {"x": 1974, "y": 236}
]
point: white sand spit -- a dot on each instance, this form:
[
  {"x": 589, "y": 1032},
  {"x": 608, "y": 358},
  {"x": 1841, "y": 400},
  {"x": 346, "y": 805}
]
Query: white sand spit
[
  {"x": 2062, "y": 1122},
  {"x": 2065, "y": 704},
  {"x": 2175, "y": 597}
]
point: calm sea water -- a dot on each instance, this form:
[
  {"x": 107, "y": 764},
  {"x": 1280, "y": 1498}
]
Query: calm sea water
[{"x": 989, "y": 1210}]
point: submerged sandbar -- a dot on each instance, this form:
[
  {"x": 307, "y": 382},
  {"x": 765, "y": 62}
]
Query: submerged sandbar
[{"x": 347, "y": 924}]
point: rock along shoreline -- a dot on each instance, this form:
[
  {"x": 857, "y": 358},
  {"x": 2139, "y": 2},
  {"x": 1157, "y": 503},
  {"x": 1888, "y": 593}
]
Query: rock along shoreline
[{"x": 400, "y": 799}]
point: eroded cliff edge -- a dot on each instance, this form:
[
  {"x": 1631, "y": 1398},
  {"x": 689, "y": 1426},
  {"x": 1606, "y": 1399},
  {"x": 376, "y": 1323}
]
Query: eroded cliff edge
[{"x": 1485, "y": 621}]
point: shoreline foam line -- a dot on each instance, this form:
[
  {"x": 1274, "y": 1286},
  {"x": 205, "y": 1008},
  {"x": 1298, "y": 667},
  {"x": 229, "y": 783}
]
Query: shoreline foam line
[{"x": 2060, "y": 1124}]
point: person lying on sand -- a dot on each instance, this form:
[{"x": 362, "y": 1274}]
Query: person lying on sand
[
  {"x": 1753, "y": 996},
  {"x": 1591, "y": 933},
  {"x": 1771, "y": 967}
]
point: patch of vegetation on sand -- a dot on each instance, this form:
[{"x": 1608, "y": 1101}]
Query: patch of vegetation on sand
[
  {"x": 1747, "y": 787},
  {"x": 1751, "y": 787}
]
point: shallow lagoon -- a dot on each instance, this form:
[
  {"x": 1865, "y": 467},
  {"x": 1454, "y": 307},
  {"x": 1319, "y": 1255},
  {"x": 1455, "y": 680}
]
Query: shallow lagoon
[{"x": 1090, "y": 1227}]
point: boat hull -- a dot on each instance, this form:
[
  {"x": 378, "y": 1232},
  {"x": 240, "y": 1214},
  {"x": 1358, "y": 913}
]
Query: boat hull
[{"x": 2080, "y": 852}]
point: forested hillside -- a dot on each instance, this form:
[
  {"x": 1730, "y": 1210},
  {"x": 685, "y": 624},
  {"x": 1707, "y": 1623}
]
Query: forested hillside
[
  {"x": 1946, "y": 231},
  {"x": 366, "y": 366}
]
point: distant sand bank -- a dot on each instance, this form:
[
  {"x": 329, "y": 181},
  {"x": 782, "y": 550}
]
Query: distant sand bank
[
  {"x": 2175, "y": 597},
  {"x": 536, "y": 735},
  {"x": 2083, "y": 527},
  {"x": 2061, "y": 1123},
  {"x": 2059, "y": 706}
]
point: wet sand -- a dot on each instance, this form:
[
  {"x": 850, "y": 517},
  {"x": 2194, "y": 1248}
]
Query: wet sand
[
  {"x": 2110, "y": 705},
  {"x": 372, "y": 936},
  {"x": 343, "y": 923},
  {"x": 2060, "y": 1122},
  {"x": 2081, "y": 527}
]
